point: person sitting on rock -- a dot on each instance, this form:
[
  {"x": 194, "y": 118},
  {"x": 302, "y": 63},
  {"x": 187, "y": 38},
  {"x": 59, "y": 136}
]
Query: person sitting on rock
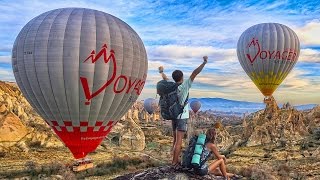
[{"x": 217, "y": 167}]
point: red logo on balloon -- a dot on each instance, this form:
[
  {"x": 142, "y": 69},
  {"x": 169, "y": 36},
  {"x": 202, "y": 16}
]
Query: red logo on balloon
[
  {"x": 287, "y": 54},
  {"x": 253, "y": 43},
  {"x": 129, "y": 84}
]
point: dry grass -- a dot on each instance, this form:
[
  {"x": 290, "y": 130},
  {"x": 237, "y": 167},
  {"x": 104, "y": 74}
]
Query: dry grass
[
  {"x": 33, "y": 170},
  {"x": 257, "y": 173},
  {"x": 118, "y": 165}
]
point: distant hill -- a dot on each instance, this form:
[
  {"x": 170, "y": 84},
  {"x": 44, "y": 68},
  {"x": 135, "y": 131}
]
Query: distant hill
[{"x": 237, "y": 107}]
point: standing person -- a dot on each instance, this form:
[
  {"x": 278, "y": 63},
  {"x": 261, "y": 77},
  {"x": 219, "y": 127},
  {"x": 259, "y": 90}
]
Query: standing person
[{"x": 179, "y": 125}]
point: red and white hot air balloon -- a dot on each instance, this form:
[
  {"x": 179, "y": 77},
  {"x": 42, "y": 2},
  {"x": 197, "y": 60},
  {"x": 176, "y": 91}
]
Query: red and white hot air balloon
[{"x": 81, "y": 70}]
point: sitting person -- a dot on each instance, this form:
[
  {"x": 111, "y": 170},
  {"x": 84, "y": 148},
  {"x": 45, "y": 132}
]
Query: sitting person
[{"x": 217, "y": 167}]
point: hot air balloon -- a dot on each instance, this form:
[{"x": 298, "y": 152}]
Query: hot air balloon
[
  {"x": 150, "y": 105},
  {"x": 267, "y": 52},
  {"x": 81, "y": 70},
  {"x": 195, "y": 106}
]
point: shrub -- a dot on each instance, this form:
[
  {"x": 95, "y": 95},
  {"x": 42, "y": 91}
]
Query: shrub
[
  {"x": 304, "y": 145},
  {"x": 283, "y": 170},
  {"x": 298, "y": 176},
  {"x": 52, "y": 168},
  {"x": 66, "y": 173},
  {"x": 35, "y": 144},
  {"x": 282, "y": 142},
  {"x": 2, "y": 154},
  {"x": 153, "y": 145},
  {"x": 31, "y": 167},
  {"x": 316, "y": 133}
]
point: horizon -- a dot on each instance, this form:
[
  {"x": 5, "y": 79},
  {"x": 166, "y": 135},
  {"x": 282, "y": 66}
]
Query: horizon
[{"x": 177, "y": 35}]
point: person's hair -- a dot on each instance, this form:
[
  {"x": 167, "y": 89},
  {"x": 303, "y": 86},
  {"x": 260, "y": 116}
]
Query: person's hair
[
  {"x": 211, "y": 135},
  {"x": 177, "y": 75}
]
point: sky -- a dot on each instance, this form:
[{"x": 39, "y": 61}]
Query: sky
[{"x": 177, "y": 34}]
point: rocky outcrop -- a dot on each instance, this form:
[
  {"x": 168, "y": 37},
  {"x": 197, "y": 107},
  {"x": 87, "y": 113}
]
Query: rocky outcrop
[
  {"x": 224, "y": 140},
  {"x": 275, "y": 125},
  {"x": 11, "y": 128},
  {"x": 20, "y": 125},
  {"x": 166, "y": 172},
  {"x": 127, "y": 134}
]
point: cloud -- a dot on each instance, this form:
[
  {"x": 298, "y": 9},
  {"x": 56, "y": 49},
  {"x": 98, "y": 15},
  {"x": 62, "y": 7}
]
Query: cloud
[
  {"x": 6, "y": 75},
  {"x": 191, "y": 52},
  {"x": 5, "y": 59},
  {"x": 309, "y": 34},
  {"x": 178, "y": 34},
  {"x": 309, "y": 55}
]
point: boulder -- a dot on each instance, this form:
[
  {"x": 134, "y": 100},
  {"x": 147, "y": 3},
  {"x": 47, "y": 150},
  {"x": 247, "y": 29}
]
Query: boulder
[{"x": 11, "y": 129}]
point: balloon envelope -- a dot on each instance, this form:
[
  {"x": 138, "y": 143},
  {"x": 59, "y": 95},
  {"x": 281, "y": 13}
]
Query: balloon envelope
[
  {"x": 195, "y": 105},
  {"x": 150, "y": 105},
  {"x": 81, "y": 70},
  {"x": 267, "y": 52}
]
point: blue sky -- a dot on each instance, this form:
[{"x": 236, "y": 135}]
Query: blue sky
[{"x": 177, "y": 34}]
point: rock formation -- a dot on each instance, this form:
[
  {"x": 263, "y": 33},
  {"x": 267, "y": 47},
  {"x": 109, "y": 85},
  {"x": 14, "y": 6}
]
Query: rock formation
[
  {"x": 275, "y": 125},
  {"x": 127, "y": 134},
  {"x": 20, "y": 125}
]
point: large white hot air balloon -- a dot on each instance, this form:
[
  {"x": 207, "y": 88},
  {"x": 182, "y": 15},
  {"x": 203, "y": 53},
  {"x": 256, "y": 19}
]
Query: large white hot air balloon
[
  {"x": 268, "y": 52},
  {"x": 81, "y": 69}
]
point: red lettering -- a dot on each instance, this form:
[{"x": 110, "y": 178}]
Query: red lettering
[
  {"x": 139, "y": 86},
  {"x": 290, "y": 55},
  {"x": 136, "y": 87},
  {"x": 117, "y": 83},
  {"x": 294, "y": 56},
  {"x": 277, "y": 56},
  {"x": 284, "y": 52},
  {"x": 266, "y": 54},
  {"x": 130, "y": 85},
  {"x": 270, "y": 54},
  {"x": 103, "y": 52},
  {"x": 254, "y": 42},
  {"x": 84, "y": 80}
]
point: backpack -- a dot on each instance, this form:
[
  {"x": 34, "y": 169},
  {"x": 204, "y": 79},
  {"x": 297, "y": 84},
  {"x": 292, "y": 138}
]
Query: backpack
[
  {"x": 170, "y": 108},
  {"x": 192, "y": 156}
]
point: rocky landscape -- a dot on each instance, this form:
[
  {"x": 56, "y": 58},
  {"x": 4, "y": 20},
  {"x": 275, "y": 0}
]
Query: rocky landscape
[{"x": 273, "y": 143}]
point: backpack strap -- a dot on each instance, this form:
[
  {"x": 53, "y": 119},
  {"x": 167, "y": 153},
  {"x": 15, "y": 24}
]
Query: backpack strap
[{"x": 186, "y": 101}]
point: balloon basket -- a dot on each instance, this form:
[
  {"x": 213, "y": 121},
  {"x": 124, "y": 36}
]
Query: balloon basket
[
  {"x": 267, "y": 100},
  {"x": 82, "y": 164}
]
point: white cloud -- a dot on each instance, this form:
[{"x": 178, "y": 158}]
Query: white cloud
[
  {"x": 5, "y": 59},
  {"x": 178, "y": 35},
  {"x": 195, "y": 52},
  {"x": 309, "y": 34},
  {"x": 309, "y": 55},
  {"x": 6, "y": 74}
]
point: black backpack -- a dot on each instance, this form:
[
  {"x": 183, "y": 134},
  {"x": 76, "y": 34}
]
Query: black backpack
[
  {"x": 169, "y": 104},
  {"x": 189, "y": 153}
]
